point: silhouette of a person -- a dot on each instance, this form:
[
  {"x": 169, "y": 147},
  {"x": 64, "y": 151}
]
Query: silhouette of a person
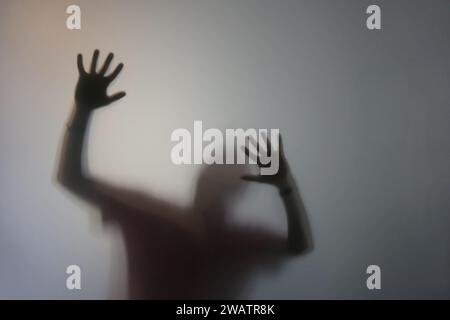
[{"x": 174, "y": 252}]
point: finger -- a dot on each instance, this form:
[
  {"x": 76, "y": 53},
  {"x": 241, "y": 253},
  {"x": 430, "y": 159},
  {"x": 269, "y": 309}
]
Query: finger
[
  {"x": 247, "y": 152},
  {"x": 94, "y": 61},
  {"x": 256, "y": 144},
  {"x": 250, "y": 155},
  {"x": 106, "y": 64},
  {"x": 117, "y": 96},
  {"x": 253, "y": 141},
  {"x": 81, "y": 70},
  {"x": 280, "y": 145},
  {"x": 267, "y": 140},
  {"x": 116, "y": 72},
  {"x": 249, "y": 177},
  {"x": 259, "y": 150}
]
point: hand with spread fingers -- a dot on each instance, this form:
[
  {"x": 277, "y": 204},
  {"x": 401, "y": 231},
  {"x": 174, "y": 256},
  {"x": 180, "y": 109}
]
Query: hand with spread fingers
[
  {"x": 91, "y": 90},
  {"x": 280, "y": 179}
]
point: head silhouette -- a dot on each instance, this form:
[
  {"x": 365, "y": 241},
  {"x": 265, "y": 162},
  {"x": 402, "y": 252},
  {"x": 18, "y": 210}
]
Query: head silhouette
[{"x": 217, "y": 188}]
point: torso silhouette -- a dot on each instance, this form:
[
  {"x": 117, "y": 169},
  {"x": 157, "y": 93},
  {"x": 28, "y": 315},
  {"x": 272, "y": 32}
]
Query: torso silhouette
[{"x": 169, "y": 259}]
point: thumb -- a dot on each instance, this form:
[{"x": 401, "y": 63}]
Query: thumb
[
  {"x": 117, "y": 96},
  {"x": 249, "y": 177}
]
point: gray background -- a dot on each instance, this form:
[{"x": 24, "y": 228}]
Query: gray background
[{"x": 365, "y": 117}]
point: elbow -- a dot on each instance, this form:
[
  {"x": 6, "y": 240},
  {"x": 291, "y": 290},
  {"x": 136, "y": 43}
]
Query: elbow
[
  {"x": 300, "y": 248},
  {"x": 78, "y": 186},
  {"x": 62, "y": 180},
  {"x": 70, "y": 182},
  {"x": 65, "y": 180}
]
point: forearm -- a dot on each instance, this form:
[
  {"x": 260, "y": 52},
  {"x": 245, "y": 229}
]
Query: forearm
[
  {"x": 299, "y": 235},
  {"x": 70, "y": 172}
]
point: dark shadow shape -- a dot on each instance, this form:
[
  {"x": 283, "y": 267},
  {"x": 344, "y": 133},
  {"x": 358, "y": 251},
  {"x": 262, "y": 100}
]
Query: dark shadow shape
[{"x": 176, "y": 253}]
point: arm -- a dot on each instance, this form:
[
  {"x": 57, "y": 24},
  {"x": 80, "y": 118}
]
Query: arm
[
  {"x": 299, "y": 235},
  {"x": 90, "y": 94}
]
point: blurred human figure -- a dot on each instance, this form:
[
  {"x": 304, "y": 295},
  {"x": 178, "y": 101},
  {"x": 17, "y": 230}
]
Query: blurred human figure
[{"x": 177, "y": 252}]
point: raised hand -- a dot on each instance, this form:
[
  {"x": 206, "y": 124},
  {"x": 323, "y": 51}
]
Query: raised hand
[
  {"x": 90, "y": 92},
  {"x": 280, "y": 179}
]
